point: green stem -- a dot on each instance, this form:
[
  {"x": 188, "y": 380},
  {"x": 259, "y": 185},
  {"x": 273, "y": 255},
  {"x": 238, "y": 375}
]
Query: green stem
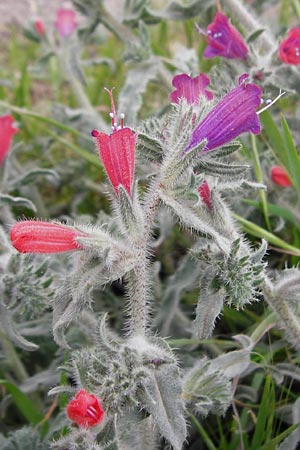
[
  {"x": 259, "y": 177},
  {"x": 207, "y": 440}
]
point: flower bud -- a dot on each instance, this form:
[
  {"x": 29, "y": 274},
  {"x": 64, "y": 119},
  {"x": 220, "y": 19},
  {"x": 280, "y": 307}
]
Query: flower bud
[
  {"x": 279, "y": 176},
  {"x": 35, "y": 236}
]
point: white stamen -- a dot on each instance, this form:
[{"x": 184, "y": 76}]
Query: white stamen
[
  {"x": 271, "y": 102},
  {"x": 92, "y": 412}
]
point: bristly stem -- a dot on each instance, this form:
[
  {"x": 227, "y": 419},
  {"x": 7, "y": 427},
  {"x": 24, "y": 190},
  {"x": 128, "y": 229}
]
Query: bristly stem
[
  {"x": 247, "y": 20},
  {"x": 138, "y": 281}
]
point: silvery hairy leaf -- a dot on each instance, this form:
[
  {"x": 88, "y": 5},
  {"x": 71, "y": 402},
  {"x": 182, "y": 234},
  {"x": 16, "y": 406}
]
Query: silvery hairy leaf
[
  {"x": 75, "y": 293},
  {"x": 209, "y": 307},
  {"x": 135, "y": 86},
  {"x": 161, "y": 397},
  {"x": 135, "y": 432},
  {"x": 189, "y": 218},
  {"x": 206, "y": 389},
  {"x": 17, "y": 201}
]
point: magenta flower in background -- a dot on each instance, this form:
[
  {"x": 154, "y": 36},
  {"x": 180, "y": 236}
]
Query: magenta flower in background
[
  {"x": 279, "y": 176},
  {"x": 39, "y": 27},
  {"x": 7, "y": 130},
  {"x": 36, "y": 236},
  {"x": 233, "y": 115},
  {"x": 190, "y": 88},
  {"x": 65, "y": 22},
  {"x": 224, "y": 40},
  {"x": 85, "y": 409},
  {"x": 117, "y": 152},
  {"x": 289, "y": 49}
]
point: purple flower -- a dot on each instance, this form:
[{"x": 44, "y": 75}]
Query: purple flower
[
  {"x": 233, "y": 115},
  {"x": 224, "y": 40},
  {"x": 190, "y": 88},
  {"x": 65, "y": 22}
]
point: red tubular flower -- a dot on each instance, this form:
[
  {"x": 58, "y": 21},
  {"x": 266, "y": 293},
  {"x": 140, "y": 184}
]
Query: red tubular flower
[
  {"x": 85, "y": 409},
  {"x": 233, "y": 115},
  {"x": 35, "y": 236},
  {"x": 117, "y": 152},
  {"x": 205, "y": 194},
  {"x": 289, "y": 49},
  {"x": 6, "y": 134},
  {"x": 224, "y": 40},
  {"x": 190, "y": 88},
  {"x": 279, "y": 176},
  {"x": 65, "y": 22}
]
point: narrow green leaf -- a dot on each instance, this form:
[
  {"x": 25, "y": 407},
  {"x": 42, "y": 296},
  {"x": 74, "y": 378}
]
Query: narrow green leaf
[
  {"x": 206, "y": 439},
  {"x": 255, "y": 35},
  {"x": 79, "y": 150},
  {"x": 265, "y": 415},
  {"x": 275, "y": 210},
  {"x": 44, "y": 119},
  {"x": 259, "y": 232},
  {"x": 23, "y": 403},
  {"x": 274, "y": 136},
  {"x": 293, "y": 156}
]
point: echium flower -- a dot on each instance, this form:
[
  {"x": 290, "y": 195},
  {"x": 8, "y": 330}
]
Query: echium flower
[
  {"x": 233, "y": 115},
  {"x": 36, "y": 236},
  {"x": 85, "y": 409},
  {"x": 190, "y": 88},
  {"x": 224, "y": 39},
  {"x": 289, "y": 49},
  {"x": 65, "y": 22},
  {"x": 117, "y": 152},
  {"x": 7, "y": 130}
]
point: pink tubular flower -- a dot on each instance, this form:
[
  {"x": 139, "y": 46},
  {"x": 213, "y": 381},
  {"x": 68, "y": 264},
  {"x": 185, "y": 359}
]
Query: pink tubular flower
[
  {"x": 190, "y": 88},
  {"x": 117, "y": 152},
  {"x": 6, "y": 134},
  {"x": 224, "y": 40},
  {"x": 39, "y": 27},
  {"x": 289, "y": 49},
  {"x": 65, "y": 22},
  {"x": 35, "y": 236},
  {"x": 205, "y": 194},
  {"x": 279, "y": 176},
  {"x": 233, "y": 115},
  {"x": 85, "y": 409}
]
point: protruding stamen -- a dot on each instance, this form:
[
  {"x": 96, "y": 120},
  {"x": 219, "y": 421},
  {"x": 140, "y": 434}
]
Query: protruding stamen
[
  {"x": 122, "y": 117},
  {"x": 92, "y": 412},
  {"x": 270, "y": 102},
  {"x": 113, "y": 114}
]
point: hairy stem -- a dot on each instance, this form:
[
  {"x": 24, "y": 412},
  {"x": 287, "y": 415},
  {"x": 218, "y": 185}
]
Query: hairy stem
[
  {"x": 139, "y": 278},
  {"x": 251, "y": 24}
]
